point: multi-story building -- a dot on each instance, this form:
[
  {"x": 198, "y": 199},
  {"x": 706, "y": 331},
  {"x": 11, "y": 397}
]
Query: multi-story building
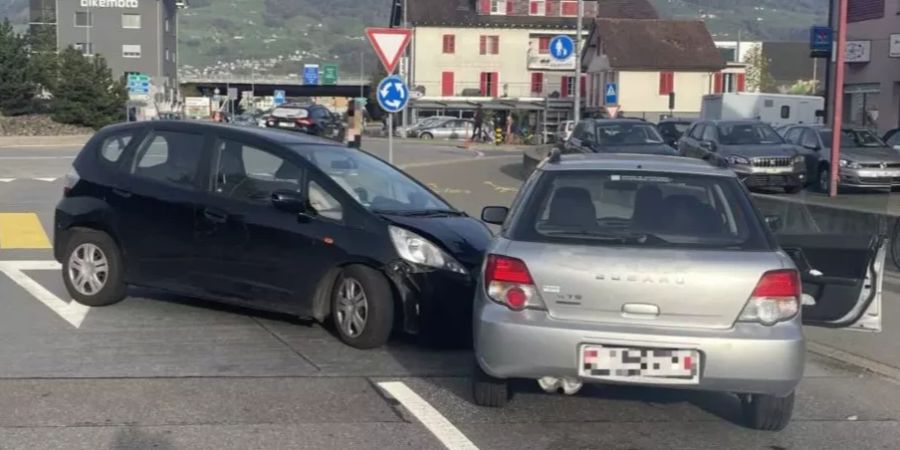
[
  {"x": 872, "y": 84},
  {"x": 134, "y": 36},
  {"x": 650, "y": 62}
]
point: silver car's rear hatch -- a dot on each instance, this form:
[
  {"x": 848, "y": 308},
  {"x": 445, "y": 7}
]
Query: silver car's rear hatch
[{"x": 657, "y": 287}]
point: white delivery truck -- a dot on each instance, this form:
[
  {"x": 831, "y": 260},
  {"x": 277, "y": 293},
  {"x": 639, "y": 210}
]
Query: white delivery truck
[{"x": 775, "y": 109}]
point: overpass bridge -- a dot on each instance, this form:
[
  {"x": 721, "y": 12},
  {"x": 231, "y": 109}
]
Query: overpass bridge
[{"x": 267, "y": 85}]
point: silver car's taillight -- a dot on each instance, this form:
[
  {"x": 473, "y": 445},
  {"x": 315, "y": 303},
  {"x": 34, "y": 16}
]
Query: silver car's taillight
[
  {"x": 509, "y": 283},
  {"x": 775, "y": 299},
  {"x": 72, "y": 178}
]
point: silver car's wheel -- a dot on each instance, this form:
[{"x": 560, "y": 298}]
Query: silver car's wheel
[
  {"x": 88, "y": 269},
  {"x": 353, "y": 308}
]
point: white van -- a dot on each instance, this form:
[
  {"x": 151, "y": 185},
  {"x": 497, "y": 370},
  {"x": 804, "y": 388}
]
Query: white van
[{"x": 775, "y": 109}]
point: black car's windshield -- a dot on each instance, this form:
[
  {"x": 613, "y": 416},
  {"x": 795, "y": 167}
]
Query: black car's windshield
[
  {"x": 640, "y": 209},
  {"x": 853, "y": 138},
  {"x": 619, "y": 134},
  {"x": 375, "y": 184},
  {"x": 748, "y": 134}
]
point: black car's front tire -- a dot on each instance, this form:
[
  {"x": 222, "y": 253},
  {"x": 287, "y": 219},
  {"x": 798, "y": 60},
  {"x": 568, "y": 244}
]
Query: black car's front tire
[
  {"x": 489, "y": 391},
  {"x": 362, "y": 307},
  {"x": 767, "y": 412},
  {"x": 93, "y": 271}
]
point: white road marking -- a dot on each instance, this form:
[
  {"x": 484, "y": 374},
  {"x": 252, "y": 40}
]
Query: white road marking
[
  {"x": 49, "y": 180},
  {"x": 72, "y": 312},
  {"x": 45, "y": 179},
  {"x": 34, "y": 157},
  {"x": 437, "y": 424},
  {"x": 6, "y": 180}
]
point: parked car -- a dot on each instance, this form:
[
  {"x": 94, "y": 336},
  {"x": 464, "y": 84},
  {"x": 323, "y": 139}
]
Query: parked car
[
  {"x": 413, "y": 130},
  {"x": 866, "y": 161},
  {"x": 672, "y": 130},
  {"x": 447, "y": 129},
  {"x": 316, "y": 120},
  {"x": 617, "y": 136},
  {"x": 268, "y": 220},
  {"x": 892, "y": 138},
  {"x": 761, "y": 158},
  {"x": 659, "y": 271}
]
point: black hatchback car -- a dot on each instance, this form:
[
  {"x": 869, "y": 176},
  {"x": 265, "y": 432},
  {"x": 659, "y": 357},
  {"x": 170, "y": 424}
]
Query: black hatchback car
[
  {"x": 617, "y": 136},
  {"x": 269, "y": 220},
  {"x": 316, "y": 120}
]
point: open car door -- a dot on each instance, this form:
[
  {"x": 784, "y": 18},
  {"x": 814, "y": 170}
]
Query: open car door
[{"x": 842, "y": 278}]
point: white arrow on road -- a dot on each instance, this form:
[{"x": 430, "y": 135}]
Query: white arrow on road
[{"x": 72, "y": 312}]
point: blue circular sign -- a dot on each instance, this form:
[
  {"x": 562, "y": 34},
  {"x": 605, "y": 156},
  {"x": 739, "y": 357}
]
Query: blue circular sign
[
  {"x": 393, "y": 94},
  {"x": 562, "y": 47}
]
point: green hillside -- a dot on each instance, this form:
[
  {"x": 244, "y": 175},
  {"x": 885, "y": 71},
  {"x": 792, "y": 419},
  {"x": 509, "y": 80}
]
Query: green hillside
[{"x": 278, "y": 36}]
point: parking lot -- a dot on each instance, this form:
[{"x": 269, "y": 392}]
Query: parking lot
[{"x": 158, "y": 371}]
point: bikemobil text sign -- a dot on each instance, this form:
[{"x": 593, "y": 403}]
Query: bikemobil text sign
[{"x": 109, "y": 3}]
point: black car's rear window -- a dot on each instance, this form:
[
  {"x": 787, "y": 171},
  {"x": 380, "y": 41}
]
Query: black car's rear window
[{"x": 639, "y": 209}]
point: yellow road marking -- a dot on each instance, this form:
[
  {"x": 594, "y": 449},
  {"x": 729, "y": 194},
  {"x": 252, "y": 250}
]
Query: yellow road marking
[{"x": 22, "y": 231}]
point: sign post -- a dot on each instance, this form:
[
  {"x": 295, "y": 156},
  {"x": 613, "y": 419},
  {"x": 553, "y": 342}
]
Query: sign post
[
  {"x": 393, "y": 92},
  {"x": 393, "y": 97}
]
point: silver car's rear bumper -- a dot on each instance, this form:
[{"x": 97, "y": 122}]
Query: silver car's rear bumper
[{"x": 748, "y": 358}]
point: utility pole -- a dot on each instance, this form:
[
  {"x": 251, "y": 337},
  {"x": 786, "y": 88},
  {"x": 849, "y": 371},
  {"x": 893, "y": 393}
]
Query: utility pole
[
  {"x": 578, "y": 61},
  {"x": 838, "y": 113},
  {"x": 828, "y": 66},
  {"x": 405, "y": 118}
]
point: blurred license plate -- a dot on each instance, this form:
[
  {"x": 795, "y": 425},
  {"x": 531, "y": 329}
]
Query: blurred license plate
[
  {"x": 775, "y": 170},
  {"x": 640, "y": 364},
  {"x": 286, "y": 125}
]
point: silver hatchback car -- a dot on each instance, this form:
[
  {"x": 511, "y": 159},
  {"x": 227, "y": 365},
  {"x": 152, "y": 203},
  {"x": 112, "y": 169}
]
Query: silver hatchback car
[{"x": 659, "y": 271}]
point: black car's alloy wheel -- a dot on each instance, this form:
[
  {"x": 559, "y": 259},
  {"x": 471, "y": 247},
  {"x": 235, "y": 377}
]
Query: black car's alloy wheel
[
  {"x": 92, "y": 268},
  {"x": 362, "y": 307}
]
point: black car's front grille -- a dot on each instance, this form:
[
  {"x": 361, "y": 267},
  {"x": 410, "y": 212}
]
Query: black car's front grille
[
  {"x": 772, "y": 162},
  {"x": 878, "y": 165}
]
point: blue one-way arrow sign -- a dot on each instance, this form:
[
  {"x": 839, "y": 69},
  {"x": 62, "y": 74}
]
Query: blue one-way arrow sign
[{"x": 393, "y": 94}]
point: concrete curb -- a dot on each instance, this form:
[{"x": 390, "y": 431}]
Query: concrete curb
[
  {"x": 43, "y": 141},
  {"x": 884, "y": 370}
]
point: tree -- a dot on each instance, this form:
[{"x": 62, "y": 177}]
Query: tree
[
  {"x": 759, "y": 78},
  {"x": 43, "y": 62},
  {"x": 87, "y": 94},
  {"x": 17, "y": 87}
]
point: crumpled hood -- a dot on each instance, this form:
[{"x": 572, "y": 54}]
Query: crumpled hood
[{"x": 464, "y": 238}]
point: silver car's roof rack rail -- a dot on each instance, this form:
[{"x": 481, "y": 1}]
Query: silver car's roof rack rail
[{"x": 554, "y": 156}]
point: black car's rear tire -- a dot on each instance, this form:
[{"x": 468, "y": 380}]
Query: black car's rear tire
[
  {"x": 489, "y": 391},
  {"x": 93, "y": 269},
  {"x": 363, "y": 297},
  {"x": 767, "y": 412}
]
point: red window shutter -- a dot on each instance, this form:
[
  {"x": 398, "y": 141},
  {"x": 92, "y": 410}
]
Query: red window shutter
[
  {"x": 537, "y": 82},
  {"x": 449, "y": 43},
  {"x": 485, "y": 6},
  {"x": 671, "y": 82},
  {"x": 583, "y": 88},
  {"x": 719, "y": 83},
  {"x": 484, "y": 91},
  {"x": 564, "y": 92},
  {"x": 662, "y": 83},
  {"x": 482, "y": 45},
  {"x": 495, "y": 79},
  {"x": 544, "y": 44},
  {"x": 741, "y": 82},
  {"x": 569, "y": 9},
  {"x": 666, "y": 83},
  {"x": 447, "y": 84},
  {"x": 549, "y": 7},
  {"x": 495, "y": 45},
  {"x": 534, "y": 8},
  {"x": 509, "y": 7}
]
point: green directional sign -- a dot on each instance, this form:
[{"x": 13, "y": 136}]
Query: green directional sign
[{"x": 329, "y": 74}]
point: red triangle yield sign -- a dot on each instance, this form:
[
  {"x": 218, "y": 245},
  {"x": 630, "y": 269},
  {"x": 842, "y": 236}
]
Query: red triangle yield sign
[{"x": 389, "y": 45}]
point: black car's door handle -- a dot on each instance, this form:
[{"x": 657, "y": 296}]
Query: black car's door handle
[
  {"x": 121, "y": 193},
  {"x": 215, "y": 216}
]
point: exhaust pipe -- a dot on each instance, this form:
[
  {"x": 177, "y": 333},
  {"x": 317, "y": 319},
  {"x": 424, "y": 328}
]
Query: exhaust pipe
[{"x": 554, "y": 385}]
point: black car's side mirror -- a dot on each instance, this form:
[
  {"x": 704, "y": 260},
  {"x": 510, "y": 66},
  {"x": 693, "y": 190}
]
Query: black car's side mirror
[
  {"x": 494, "y": 215},
  {"x": 774, "y": 223},
  {"x": 289, "y": 201}
]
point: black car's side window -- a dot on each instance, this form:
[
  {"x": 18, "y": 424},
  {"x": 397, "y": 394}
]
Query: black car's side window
[
  {"x": 113, "y": 146},
  {"x": 697, "y": 132},
  {"x": 248, "y": 173},
  {"x": 324, "y": 203},
  {"x": 169, "y": 157},
  {"x": 579, "y": 131},
  {"x": 792, "y": 136},
  {"x": 709, "y": 134}
]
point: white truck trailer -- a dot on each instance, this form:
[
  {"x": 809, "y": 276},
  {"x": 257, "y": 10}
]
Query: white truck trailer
[{"x": 775, "y": 109}]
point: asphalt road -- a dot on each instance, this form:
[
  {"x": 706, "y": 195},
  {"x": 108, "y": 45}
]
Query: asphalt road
[{"x": 163, "y": 372}]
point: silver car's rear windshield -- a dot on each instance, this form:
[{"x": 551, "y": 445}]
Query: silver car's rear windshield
[{"x": 640, "y": 209}]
